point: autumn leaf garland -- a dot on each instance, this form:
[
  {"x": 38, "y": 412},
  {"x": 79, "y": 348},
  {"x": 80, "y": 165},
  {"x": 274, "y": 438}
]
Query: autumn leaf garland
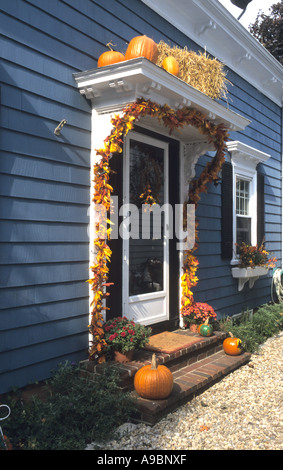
[{"x": 217, "y": 134}]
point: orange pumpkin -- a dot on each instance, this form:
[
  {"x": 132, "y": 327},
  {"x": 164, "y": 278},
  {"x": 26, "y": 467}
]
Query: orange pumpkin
[
  {"x": 171, "y": 65},
  {"x": 232, "y": 346},
  {"x": 142, "y": 46},
  {"x": 110, "y": 57},
  {"x": 153, "y": 382}
]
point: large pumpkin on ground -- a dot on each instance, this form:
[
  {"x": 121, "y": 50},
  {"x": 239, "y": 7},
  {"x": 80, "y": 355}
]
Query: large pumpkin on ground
[
  {"x": 142, "y": 46},
  {"x": 153, "y": 382},
  {"x": 232, "y": 346}
]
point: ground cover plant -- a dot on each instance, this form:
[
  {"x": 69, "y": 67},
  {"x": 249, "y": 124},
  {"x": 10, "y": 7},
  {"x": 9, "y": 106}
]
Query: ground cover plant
[
  {"x": 254, "y": 330},
  {"x": 81, "y": 409}
]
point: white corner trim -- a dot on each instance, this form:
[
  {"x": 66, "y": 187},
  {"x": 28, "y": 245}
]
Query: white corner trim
[{"x": 210, "y": 25}]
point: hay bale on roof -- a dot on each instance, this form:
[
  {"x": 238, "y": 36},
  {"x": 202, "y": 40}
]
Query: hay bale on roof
[{"x": 198, "y": 70}]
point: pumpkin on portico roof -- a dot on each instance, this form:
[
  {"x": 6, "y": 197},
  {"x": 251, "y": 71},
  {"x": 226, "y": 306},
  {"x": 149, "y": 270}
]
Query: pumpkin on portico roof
[{"x": 142, "y": 46}]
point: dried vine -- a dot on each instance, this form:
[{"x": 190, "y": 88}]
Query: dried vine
[{"x": 217, "y": 134}]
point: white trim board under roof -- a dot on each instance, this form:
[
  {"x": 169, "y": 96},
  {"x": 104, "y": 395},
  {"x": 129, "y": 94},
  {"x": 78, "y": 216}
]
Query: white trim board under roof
[
  {"x": 112, "y": 87},
  {"x": 210, "y": 25}
]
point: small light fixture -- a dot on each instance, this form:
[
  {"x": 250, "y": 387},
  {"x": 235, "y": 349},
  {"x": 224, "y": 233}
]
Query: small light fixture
[
  {"x": 241, "y": 4},
  {"x": 59, "y": 127}
]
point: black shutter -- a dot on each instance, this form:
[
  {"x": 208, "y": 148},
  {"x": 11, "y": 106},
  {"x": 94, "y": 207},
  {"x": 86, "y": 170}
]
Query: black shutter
[
  {"x": 227, "y": 211},
  {"x": 260, "y": 208}
]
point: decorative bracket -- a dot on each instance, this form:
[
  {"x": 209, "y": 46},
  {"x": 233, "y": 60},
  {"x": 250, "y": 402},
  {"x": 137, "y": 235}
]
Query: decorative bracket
[
  {"x": 271, "y": 81},
  {"x": 121, "y": 86},
  {"x": 192, "y": 152},
  {"x": 89, "y": 93},
  {"x": 200, "y": 29},
  {"x": 246, "y": 56},
  {"x": 147, "y": 89}
]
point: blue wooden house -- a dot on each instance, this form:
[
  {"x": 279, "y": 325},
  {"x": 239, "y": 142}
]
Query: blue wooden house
[{"x": 56, "y": 109}]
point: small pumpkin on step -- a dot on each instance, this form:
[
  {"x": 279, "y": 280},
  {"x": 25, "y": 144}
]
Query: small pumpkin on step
[
  {"x": 153, "y": 381},
  {"x": 205, "y": 329},
  {"x": 232, "y": 346}
]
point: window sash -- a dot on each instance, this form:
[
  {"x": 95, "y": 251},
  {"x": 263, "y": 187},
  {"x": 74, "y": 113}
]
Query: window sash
[
  {"x": 242, "y": 196},
  {"x": 243, "y": 230}
]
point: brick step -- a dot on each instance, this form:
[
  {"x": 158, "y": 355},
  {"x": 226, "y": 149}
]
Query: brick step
[
  {"x": 194, "y": 369},
  {"x": 188, "y": 382},
  {"x": 174, "y": 361}
]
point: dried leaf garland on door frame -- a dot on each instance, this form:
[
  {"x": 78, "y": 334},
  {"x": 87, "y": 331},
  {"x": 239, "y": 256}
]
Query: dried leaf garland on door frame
[{"x": 122, "y": 124}]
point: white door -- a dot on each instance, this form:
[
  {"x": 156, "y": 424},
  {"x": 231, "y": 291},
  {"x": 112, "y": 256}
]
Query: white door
[{"x": 145, "y": 233}]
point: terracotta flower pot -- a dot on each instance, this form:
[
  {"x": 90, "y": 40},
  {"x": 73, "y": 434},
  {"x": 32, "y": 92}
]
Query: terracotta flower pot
[
  {"x": 194, "y": 327},
  {"x": 123, "y": 357}
]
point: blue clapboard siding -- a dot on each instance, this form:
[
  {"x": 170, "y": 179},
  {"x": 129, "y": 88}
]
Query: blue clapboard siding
[
  {"x": 45, "y": 179},
  {"x": 44, "y": 193}
]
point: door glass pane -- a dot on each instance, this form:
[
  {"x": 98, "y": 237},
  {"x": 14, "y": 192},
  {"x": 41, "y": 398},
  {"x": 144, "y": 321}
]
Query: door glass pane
[{"x": 146, "y": 249}]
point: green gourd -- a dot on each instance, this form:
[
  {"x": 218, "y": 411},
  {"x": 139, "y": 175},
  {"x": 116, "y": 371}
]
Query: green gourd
[{"x": 205, "y": 329}]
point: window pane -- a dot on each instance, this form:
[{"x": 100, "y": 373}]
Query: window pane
[
  {"x": 242, "y": 196},
  {"x": 146, "y": 170},
  {"x": 243, "y": 230}
]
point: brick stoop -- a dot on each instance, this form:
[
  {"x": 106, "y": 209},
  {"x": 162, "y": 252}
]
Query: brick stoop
[
  {"x": 194, "y": 369},
  {"x": 188, "y": 382}
]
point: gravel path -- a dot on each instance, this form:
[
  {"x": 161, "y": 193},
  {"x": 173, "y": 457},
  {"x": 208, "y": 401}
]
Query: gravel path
[{"x": 242, "y": 412}]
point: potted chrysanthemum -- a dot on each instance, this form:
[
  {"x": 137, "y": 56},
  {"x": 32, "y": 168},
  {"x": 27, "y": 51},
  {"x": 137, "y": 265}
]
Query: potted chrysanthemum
[
  {"x": 197, "y": 313},
  {"x": 123, "y": 336}
]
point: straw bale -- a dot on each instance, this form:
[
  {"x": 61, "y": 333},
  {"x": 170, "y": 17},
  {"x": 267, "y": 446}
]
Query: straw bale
[{"x": 198, "y": 70}]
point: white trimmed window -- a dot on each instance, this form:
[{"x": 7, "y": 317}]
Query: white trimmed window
[
  {"x": 245, "y": 208},
  {"x": 242, "y": 199}
]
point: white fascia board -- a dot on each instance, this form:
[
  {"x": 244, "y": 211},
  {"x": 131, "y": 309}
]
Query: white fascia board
[{"x": 210, "y": 25}]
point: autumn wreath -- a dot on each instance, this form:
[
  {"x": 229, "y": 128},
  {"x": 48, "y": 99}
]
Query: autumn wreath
[{"x": 113, "y": 144}]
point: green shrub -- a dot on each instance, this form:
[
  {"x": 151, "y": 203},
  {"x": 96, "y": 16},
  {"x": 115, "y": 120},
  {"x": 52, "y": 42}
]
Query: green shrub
[
  {"x": 82, "y": 408},
  {"x": 253, "y": 331}
]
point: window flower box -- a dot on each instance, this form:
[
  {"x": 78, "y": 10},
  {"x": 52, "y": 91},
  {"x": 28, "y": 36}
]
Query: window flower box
[{"x": 250, "y": 275}]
